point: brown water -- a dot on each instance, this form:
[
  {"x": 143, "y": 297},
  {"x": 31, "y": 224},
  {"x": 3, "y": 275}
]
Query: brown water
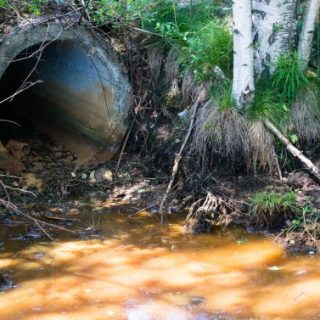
[{"x": 140, "y": 271}]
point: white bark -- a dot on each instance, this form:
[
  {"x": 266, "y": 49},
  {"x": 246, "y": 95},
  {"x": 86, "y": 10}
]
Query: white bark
[
  {"x": 306, "y": 36},
  {"x": 243, "y": 71},
  {"x": 274, "y": 25}
]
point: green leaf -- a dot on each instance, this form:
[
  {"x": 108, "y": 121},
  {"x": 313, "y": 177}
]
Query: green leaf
[{"x": 294, "y": 138}]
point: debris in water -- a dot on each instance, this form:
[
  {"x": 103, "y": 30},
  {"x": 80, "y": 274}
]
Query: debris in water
[
  {"x": 100, "y": 175},
  {"x": 274, "y": 268},
  {"x": 195, "y": 300},
  {"x": 5, "y": 282}
]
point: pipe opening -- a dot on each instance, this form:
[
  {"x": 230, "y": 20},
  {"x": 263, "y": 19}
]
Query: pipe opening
[{"x": 72, "y": 99}]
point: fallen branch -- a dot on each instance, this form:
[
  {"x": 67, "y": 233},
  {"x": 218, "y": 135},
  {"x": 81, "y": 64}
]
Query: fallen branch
[
  {"x": 293, "y": 150},
  {"x": 10, "y": 206},
  {"x": 178, "y": 155}
]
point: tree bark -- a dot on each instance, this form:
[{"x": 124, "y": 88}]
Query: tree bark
[
  {"x": 306, "y": 36},
  {"x": 243, "y": 71},
  {"x": 274, "y": 30}
]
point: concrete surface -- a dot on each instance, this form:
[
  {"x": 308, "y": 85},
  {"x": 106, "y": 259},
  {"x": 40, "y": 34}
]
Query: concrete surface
[{"x": 84, "y": 97}]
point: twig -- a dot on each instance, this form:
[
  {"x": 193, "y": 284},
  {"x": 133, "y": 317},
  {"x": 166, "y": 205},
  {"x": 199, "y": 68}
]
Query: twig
[
  {"x": 28, "y": 85},
  {"x": 123, "y": 148},
  {"x": 5, "y": 190},
  {"x": 144, "y": 209},
  {"x": 277, "y": 166},
  {"x": 43, "y": 230},
  {"x": 13, "y": 208},
  {"x": 10, "y": 121},
  {"x": 85, "y": 9},
  {"x": 20, "y": 190},
  {"x": 178, "y": 155}
]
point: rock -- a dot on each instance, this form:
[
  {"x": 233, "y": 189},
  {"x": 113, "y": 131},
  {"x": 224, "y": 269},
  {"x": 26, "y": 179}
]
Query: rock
[
  {"x": 100, "y": 175},
  {"x": 84, "y": 176},
  {"x": 19, "y": 150},
  {"x": 9, "y": 164}
]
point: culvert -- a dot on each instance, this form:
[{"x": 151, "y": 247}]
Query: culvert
[{"x": 80, "y": 96}]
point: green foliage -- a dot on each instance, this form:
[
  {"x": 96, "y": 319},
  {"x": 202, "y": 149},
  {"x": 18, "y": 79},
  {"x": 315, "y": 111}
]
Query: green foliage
[
  {"x": 223, "y": 97},
  {"x": 271, "y": 209},
  {"x": 275, "y": 102},
  {"x": 119, "y": 12},
  {"x": 199, "y": 33},
  {"x": 269, "y": 104},
  {"x": 273, "y": 202},
  {"x": 308, "y": 216},
  {"x": 34, "y": 7},
  {"x": 288, "y": 77},
  {"x": 209, "y": 46}
]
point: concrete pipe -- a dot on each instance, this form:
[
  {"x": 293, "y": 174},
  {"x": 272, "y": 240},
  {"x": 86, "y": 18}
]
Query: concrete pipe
[{"x": 79, "y": 95}]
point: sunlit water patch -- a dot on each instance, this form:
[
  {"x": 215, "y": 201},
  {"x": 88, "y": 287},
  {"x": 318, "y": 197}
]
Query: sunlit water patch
[{"x": 140, "y": 271}]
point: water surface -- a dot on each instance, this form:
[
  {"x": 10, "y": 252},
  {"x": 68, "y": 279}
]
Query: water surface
[{"x": 139, "y": 271}]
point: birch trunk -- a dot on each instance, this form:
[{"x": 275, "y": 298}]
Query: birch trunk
[
  {"x": 306, "y": 36},
  {"x": 243, "y": 71},
  {"x": 274, "y": 30}
]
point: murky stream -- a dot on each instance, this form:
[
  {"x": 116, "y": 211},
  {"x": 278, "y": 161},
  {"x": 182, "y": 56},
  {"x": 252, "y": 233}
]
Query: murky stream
[{"x": 139, "y": 271}]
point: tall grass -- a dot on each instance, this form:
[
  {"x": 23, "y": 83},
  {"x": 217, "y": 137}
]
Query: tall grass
[{"x": 288, "y": 77}]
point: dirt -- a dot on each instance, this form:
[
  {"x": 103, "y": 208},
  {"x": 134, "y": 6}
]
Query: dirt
[{"x": 54, "y": 188}]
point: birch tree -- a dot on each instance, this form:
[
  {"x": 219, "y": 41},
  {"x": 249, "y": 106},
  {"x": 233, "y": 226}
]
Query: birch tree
[
  {"x": 306, "y": 36},
  {"x": 274, "y": 31},
  {"x": 243, "y": 71}
]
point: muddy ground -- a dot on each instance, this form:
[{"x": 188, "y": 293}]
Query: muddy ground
[{"x": 51, "y": 187}]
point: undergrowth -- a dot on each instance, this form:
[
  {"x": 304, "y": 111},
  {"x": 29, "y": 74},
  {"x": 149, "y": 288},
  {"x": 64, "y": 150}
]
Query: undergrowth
[
  {"x": 199, "y": 34},
  {"x": 288, "y": 77},
  {"x": 34, "y": 7},
  {"x": 271, "y": 209}
]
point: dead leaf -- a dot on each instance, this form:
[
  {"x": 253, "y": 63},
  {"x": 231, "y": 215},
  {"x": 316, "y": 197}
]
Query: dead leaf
[
  {"x": 9, "y": 164},
  {"x": 31, "y": 181}
]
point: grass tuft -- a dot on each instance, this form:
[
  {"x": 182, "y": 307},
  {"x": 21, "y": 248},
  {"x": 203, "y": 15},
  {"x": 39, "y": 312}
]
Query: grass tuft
[
  {"x": 305, "y": 114},
  {"x": 262, "y": 153},
  {"x": 222, "y": 131},
  {"x": 271, "y": 210},
  {"x": 288, "y": 77}
]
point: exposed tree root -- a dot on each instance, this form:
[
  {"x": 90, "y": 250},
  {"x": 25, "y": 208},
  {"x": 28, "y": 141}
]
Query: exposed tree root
[
  {"x": 178, "y": 156},
  {"x": 209, "y": 211}
]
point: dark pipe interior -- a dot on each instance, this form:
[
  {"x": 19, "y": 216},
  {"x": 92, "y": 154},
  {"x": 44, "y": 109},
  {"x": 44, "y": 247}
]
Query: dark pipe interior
[{"x": 57, "y": 107}]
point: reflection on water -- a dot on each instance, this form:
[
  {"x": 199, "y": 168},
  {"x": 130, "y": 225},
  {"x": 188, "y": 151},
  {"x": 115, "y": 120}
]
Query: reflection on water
[{"x": 140, "y": 271}]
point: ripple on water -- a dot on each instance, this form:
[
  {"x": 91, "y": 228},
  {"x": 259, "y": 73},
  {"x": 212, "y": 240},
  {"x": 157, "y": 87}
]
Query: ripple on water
[{"x": 140, "y": 271}]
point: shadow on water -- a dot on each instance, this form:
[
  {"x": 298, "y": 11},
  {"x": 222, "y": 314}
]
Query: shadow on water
[{"x": 140, "y": 271}]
